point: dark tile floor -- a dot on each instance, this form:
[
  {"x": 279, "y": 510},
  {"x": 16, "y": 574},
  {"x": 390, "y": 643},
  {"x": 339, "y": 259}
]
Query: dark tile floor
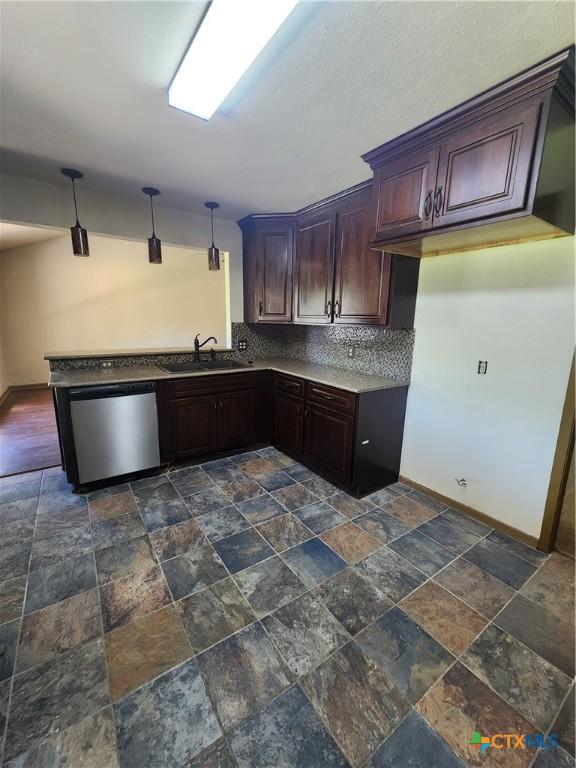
[{"x": 245, "y": 613}]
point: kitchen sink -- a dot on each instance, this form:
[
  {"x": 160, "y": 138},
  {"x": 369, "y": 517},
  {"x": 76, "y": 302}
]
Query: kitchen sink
[{"x": 203, "y": 365}]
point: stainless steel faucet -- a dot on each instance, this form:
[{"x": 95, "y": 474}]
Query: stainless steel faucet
[{"x": 198, "y": 346}]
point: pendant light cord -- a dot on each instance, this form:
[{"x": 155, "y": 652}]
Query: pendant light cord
[
  {"x": 212, "y": 221},
  {"x": 75, "y": 203},
  {"x": 152, "y": 214}
]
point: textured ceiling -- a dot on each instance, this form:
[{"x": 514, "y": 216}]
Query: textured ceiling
[
  {"x": 84, "y": 84},
  {"x": 16, "y": 235}
]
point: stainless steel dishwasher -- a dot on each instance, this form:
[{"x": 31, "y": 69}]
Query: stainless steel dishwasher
[{"x": 115, "y": 429}]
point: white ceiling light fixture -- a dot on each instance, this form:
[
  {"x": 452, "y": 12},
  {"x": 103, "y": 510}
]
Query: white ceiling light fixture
[{"x": 231, "y": 35}]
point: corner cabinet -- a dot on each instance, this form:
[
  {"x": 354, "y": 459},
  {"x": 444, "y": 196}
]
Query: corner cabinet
[
  {"x": 268, "y": 246},
  {"x": 318, "y": 267},
  {"x": 485, "y": 173},
  {"x": 354, "y": 440}
]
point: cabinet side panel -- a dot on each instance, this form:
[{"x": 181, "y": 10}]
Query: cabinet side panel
[{"x": 378, "y": 440}]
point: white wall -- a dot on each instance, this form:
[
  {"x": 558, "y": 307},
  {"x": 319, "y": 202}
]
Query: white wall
[
  {"x": 29, "y": 201},
  {"x": 51, "y": 300},
  {"x": 514, "y": 307}
]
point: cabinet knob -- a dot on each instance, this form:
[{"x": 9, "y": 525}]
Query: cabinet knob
[
  {"x": 438, "y": 201},
  {"x": 337, "y": 308},
  {"x": 328, "y": 310},
  {"x": 260, "y": 309}
]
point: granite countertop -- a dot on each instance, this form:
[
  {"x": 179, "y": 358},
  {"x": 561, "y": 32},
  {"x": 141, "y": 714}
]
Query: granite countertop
[
  {"x": 140, "y": 352},
  {"x": 352, "y": 381}
]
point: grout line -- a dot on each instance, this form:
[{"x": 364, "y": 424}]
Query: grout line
[
  {"x": 307, "y": 591},
  {"x": 18, "y": 638}
]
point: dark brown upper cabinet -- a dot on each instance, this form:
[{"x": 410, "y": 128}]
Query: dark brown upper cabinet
[
  {"x": 268, "y": 269},
  {"x": 498, "y": 168},
  {"x": 362, "y": 274},
  {"x": 404, "y": 194},
  {"x": 318, "y": 267},
  {"x": 314, "y": 270}
]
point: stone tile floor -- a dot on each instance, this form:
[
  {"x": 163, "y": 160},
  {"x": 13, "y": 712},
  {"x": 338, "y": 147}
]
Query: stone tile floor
[{"x": 197, "y": 619}]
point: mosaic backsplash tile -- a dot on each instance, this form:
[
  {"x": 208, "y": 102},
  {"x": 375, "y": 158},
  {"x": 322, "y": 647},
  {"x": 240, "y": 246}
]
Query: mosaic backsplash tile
[{"x": 376, "y": 350}]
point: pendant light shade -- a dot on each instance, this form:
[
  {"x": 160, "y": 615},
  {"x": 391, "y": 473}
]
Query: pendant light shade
[
  {"x": 78, "y": 233},
  {"x": 213, "y": 252},
  {"x": 154, "y": 243}
]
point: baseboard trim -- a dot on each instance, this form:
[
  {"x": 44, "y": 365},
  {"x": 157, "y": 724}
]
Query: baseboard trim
[
  {"x": 19, "y": 388},
  {"x": 476, "y": 514}
]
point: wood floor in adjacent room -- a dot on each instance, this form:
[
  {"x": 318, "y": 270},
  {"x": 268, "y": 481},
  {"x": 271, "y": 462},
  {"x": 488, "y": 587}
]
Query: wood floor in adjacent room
[{"x": 28, "y": 434}]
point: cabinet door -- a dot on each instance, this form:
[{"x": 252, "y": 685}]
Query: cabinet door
[
  {"x": 362, "y": 274},
  {"x": 485, "y": 170},
  {"x": 237, "y": 418},
  {"x": 403, "y": 194},
  {"x": 274, "y": 274},
  {"x": 288, "y": 423},
  {"x": 328, "y": 440},
  {"x": 314, "y": 274},
  {"x": 193, "y": 426}
]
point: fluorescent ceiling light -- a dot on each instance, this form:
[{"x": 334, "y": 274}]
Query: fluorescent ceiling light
[{"x": 231, "y": 35}]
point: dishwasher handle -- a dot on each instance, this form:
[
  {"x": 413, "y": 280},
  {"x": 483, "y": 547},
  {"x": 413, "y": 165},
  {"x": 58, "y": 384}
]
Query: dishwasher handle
[{"x": 112, "y": 390}]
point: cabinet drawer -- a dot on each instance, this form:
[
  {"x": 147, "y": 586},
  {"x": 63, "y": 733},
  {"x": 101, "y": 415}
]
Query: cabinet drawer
[
  {"x": 223, "y": 383},
  {"x": 337, "y": 399},
  {"x": 289, "y": 384}
]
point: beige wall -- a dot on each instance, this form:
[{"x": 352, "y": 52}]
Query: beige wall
[
  {"x": 51, "y": 300},
  {"x": 514, "y": 307},
  {"x": 30, "y": 201}
]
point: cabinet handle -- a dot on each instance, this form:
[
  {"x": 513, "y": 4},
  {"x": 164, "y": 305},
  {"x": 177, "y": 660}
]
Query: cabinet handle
[
  {"x": 323, "y": 394},
  {"x": 338, "y": 311},
  {"x": 438, "y": 201},
  {"x": 328, "y": 310},
  {"x": 306, "y": 413},
  {"x": 428, "y": 204},
  {"x": 260, "y": 309},
  {"x": 215, "y": 405}
]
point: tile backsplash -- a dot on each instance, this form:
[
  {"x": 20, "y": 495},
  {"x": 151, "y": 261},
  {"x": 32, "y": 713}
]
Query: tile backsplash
[{"x": 376, "y": 350}]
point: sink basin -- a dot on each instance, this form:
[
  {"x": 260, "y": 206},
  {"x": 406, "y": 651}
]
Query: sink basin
[
  {"x": 221, "y": 365},
  {"x": 203, "y": 365}
]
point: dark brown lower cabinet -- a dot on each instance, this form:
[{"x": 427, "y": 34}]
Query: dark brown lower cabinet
[
  {"x": 354, "y": 440},
  {"x": 203, "y": 415},
  {"x": 288, "y": 423},
  {"x": 328, "y": 440},
  {"x": 237, "y": 421},
  {"x": 193, "y": 426}
]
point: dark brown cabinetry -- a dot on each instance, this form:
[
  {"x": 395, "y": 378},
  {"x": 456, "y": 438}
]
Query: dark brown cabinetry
[
  {"x": 337, "y": 277},
  {"x": 288, "y": 423},
  {"x": 268, "y": 270},
  {"x": 314, "y": 273},
  {"x": 193, "y": 426},
  {"x": 328, "y": 440},
  {"x": 404, "y": 194},
  {"x": 209, "y": 414},
  {"x": 355, "y": 440},
  {"x": 484, "y": 173},
  {"x": 362, "y": 274}
]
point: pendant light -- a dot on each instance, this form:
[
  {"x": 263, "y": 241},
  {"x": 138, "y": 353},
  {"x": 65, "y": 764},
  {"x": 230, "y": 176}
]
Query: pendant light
[
  {"x": 154, "y": 243},
  {"x": 79, "y": 234},
  {"x": 213, "y": 252}
]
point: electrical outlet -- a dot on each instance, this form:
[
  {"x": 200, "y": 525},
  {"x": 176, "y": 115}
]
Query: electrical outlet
[
  {"x": 351, "y": 351},
  {"x": 482, "y": 366},
  {"x": 106, "y": 364},
  {"x": 242, "y": 345}
]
